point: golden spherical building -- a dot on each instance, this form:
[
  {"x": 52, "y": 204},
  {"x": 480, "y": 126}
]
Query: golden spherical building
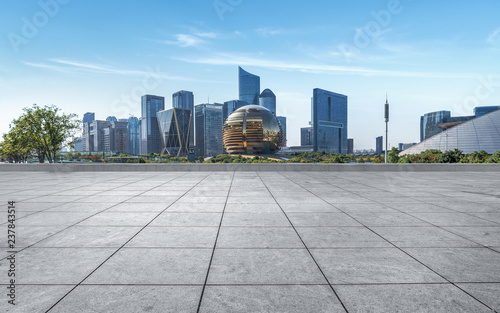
[{"x": 252, "y": 129}]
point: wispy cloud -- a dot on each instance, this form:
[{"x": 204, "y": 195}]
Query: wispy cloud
[
  {"x": 493, "y": 37},
  {"x": 266, "y": 31},
  {"x": 211, "y": 35},
  {"x": 70, "y": 66},
  {"x": 184, "y": 41},
  {"x": 230, "y": 59}
]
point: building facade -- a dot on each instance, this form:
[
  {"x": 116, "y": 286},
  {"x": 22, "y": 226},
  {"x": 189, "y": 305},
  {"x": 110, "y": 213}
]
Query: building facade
[
  {"x": 88, "y": 117},
  {"x": 249, "y": 86},
  {"x": 350, "y": 146},
  {"x": 208, "y": 128},
  {"x": 185, "y": 100},
  {"x": 329, "y": 121},
  {"x": 282, "y": 120},
  {"x": 115, "y": 137},
  {"x": 481, "y": 133},
  {"x": 175, "y": 129},
  {"x": 229, "y": 107},
  {"x": 267, "y": 99},
  {"x": 150, "y": 133},
  {"x": 404, "y": 146},
  {"x": 306, "y": 136},
  {"x": 133, "y": 138},
  {"x": 379, "y": 145},
  {"x": 111, "y": 119}
]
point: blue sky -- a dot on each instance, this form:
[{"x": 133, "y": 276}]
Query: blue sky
[{"x": 101, "y": 56}]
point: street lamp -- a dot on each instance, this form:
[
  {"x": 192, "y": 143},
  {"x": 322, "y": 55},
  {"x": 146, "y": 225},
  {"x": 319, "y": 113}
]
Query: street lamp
[{"x": 386, "y": 116}]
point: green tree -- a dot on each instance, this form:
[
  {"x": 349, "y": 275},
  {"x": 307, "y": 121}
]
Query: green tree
[
  {"x": 494, "y": 158},
  {"x": 12, "y": 149},
  {"x": 393, "y": 155},
  {"x": 45, "y": 130},
  {"x": 450, "y": 156}
]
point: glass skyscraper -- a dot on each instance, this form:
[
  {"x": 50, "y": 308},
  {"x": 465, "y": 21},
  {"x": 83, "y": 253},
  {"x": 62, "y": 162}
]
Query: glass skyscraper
[
  {"x": 249, "y": 86},
  {"x": 230, "y": 106},
  {"x": 282, "y": 121},
  {"x": 88, "y": 117},
  {"x": 267, "y": 99},
  {"x": 111, "y": 119},
  {"x": 379, "y": 144},
  {"x": 329, "y": 118},
  {"x": 185, "y": 100},
  {"x": 133, "y": 135},
  {"x": 150, "y": 133},
  {"x": 175, "y": 127},
  {"x": 209, "y": 122},
  {"x": 306, "y": 136}
]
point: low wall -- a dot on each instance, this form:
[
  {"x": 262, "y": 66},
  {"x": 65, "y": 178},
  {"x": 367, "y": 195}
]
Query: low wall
[{"x": 249, "y": 167}]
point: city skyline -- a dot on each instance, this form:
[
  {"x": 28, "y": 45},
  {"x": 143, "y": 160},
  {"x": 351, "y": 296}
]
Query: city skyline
[{"x": 105, "y": 66}]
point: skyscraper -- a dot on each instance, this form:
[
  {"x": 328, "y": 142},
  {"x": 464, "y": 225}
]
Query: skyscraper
[
  {"x": 267, "y": 99},
  {"x": 185, "y": 100},
  {"x": 329, "y": 121},
  {"x": 379, "y": 143},
  {"x": 115, "y": 137},
  {"x": 282, "y": 120},
  {"x": 209, "y": 122},
  {"x": 175, "y": 127},
  {"x": 249, "y": 86},
  {"x": 350, "y": 146},
  {"x": 230, "y": 106},
  {"x": 150, "y": 133},
  {"x": 111, "y": 119},
  {"x": 88, "y": 118},
  {"x": 133, "y": 135},
  {"x": 306, "y": 136}
]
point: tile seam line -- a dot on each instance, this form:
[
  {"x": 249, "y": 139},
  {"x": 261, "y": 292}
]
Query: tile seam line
[
  {"x": 400, "y": 248},
  {"x": 215, "y": 245},
  {"x": 95, "y": 269},
  {"x": 305, "y": 246}
]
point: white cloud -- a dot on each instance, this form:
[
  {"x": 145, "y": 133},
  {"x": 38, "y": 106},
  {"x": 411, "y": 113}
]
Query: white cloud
[
  {"x": 493, "y": 36},
  {"x": 265, "y": 31},
  {"x": 230, "y": 59},
  {"x": 211, "y": 35},
  {"x": 184, "y": 40}
]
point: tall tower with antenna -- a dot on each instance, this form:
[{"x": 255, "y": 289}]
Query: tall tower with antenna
[{"x": 386, "y": 116}]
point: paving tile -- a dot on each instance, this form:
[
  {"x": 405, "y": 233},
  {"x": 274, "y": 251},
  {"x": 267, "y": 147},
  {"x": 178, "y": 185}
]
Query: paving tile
[
  {"x": 387, "y": 219},
  {"x": 485, "y": 292},
  {"x": 258, "y": 237},
  {"x": 141, "y": 266},
  {"x": 197, "y": 207},
  {"x": 430, "y": 237},
  {"x": 255, "y": 219},
  {"x": 252, "y": 207},
  {"x": 364, "y": 207},
  {"x": 53, "y": 218},
  {"x": 57, "y": 265},
  {"x": 461, "y": 264},
  {"x": 138, "y": 207},
  {"x": 187, "y": 219},
  {"x": 119, "y": 219},
  {"x": 407, "y": 298},
  {"x": 264, "y": 266},
  {"x": 120, "y": 299},
  {"x": 309, "y": 207},
  {"x": 485, "y": 235},
  {"x": 321, "y": 219},
  {"x": 28, "y": 235},
  {"x": 372, "y": 265},
  {"x": 90, "y": 236},
  {"x": 453, "y": 219},
  {"x": 34, "y": 298},
  {"x": 175, "y": 237},
  {"x": 310, "y": 298},
  {"x": 420, "y": 208},
  {"x": 340, "y": 237},
  {"x": 265, "y": 200},
  {"x": 493, "y": 217}
]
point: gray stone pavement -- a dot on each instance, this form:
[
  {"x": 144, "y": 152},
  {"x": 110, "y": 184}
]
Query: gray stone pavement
[{"x": 253, "y": 241}]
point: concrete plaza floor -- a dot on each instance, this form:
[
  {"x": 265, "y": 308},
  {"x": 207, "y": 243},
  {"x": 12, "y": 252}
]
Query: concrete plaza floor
[{"x": 253, "y": 242}]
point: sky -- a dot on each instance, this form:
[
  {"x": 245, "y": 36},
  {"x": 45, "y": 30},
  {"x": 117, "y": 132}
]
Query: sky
[{"x": 101, "y": 56}]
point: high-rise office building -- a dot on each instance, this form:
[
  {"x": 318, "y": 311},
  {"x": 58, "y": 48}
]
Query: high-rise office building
[
  {"x": 267, "y": 99},
  {"x": 306, "y": 136},
  {"x": 379, "y": 143},
  {"x": 249, "y": 86},
  {"x": 329, "y": 121},
  {"x": 185, "y": 100},
  {"x": 88, "y": 118},
  {"x": 209, "y": 122},
  {"x": 150, "y": 132},
  {"x": 93, "y": 140},
  {"x": 478, "y": 111},
  {"x": 115, "y": 137},
  {"x": 404, "y": 146},
  {"x": 111, "y": 119},
  {"x": 350, "y": 146},
  {"x": 282, "y": 120},
  {"x": 230, "y": 106},
  {"x": 133, "y": 138},
  {"x": 175, "y": 128}
]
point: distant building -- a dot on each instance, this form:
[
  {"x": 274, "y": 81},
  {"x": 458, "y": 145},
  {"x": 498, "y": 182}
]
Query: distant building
[
  {"x": 267, "y": 99},
  {"x": 150, "y": 133},
  {"x": 185, "y": 100},
  {"x": 480, "y": 133},
  {"x": 93, "y": 139},
  {"x": 350, "y": 146},
  {"x": 133, "y": 136},
  {"x": 115, "y": 137},
  {"x": 306, "y": 136},
  {"x": 404, "y": 146},
  {"x": 111, "y": 119},
  {"x": 230, "y": 106},
  {"x": 175, "y": 128},
  {"x": 88, "y": 117},
  {"x": 329, "y": 121},
  {"x": 435, "y": 122},
  {"x": 379, "y": 145},
  {"x": 209, "y": 122},
  {"x": 123, "y": 120},
  {"x": 282, "y": 120},
  {"x": 249, "y": 86},
  {"x": 78, "y": 144}
]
